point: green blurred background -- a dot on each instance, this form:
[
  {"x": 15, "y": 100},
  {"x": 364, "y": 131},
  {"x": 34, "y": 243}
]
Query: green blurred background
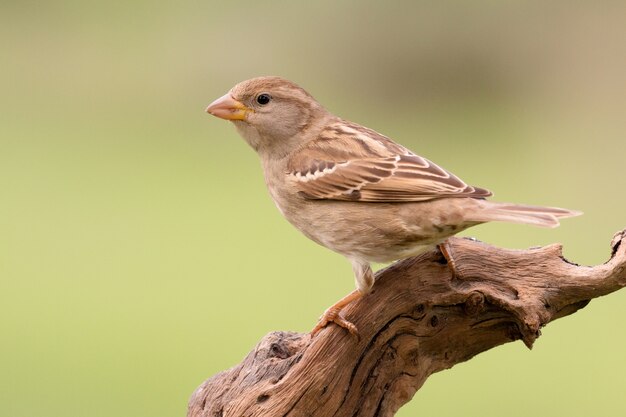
[{"x": 141, "y": 254}]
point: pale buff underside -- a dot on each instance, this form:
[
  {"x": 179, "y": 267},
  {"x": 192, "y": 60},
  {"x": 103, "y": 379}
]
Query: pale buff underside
[{"x": 371, "y": 232}]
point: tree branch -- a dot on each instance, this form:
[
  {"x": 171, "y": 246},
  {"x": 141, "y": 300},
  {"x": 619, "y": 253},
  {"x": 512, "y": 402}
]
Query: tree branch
[{"x": 418, "y": 320}]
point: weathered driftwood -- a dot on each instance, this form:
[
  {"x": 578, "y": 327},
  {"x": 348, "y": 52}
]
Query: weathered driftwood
[{"x": 419, "y": 319}]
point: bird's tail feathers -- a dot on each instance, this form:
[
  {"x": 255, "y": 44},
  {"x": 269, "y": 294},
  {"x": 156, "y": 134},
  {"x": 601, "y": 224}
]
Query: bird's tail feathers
[{"x": 519, "y": 213}]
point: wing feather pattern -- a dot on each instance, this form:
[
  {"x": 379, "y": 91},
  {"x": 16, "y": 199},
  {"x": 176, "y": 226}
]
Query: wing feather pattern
[{"x": 352, "y": 163}]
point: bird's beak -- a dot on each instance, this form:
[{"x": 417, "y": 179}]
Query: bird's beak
[{"x": 226, "y": 107}]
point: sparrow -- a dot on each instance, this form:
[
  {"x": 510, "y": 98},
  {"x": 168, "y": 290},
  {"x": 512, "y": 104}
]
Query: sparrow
[{"x": 354, "y": 190}]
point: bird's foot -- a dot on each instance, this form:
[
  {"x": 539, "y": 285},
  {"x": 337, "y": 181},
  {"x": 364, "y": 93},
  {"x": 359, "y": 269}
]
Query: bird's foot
[
  {"x": 444, "y": 248},
  {"x": 333, "y": 315}
]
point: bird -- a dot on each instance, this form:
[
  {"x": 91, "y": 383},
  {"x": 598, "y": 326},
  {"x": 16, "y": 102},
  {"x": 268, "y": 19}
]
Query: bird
[{"x": 354, "y": 190}]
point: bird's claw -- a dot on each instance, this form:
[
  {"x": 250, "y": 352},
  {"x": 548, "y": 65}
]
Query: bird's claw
[{"x": 333, "y": 315}]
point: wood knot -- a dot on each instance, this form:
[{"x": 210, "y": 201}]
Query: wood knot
[
  {"x": 281, "y": 345},
  {"x": 262, "y": 398},
  {"x": 279, "y": 351},
  {"x": 474, "y": 304},
  {"x": 419, "y": 311}
]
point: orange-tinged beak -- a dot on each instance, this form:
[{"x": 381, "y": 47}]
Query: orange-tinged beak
[{"x": 226, "y": 107}]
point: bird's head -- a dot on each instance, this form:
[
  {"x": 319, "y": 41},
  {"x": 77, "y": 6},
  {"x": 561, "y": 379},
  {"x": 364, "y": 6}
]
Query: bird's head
[{"x": 271, "y": 113}]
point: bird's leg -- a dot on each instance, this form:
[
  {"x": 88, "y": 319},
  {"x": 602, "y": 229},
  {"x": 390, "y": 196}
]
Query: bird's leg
[
  {"x": 333, "y": 314},
  {"x": 444, "y": 248},
  {"x": 364, "y": 278}
]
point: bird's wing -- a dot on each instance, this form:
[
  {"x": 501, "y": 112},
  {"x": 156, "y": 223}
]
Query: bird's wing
[{"x": 349, "y": 162}]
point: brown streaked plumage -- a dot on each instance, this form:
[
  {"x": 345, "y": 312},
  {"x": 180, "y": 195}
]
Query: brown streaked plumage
[{"x": 354, "y": 190}]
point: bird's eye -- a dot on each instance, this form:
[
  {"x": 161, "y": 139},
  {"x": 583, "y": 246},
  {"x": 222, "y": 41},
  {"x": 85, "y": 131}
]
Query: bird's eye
[{"x": 263, "y": 99}]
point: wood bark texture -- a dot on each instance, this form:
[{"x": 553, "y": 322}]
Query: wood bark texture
[{"x": 419, "y": 319}]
